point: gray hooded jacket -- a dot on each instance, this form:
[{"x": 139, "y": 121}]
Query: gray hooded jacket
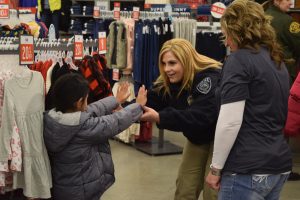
[{"x": 79, "y": 150}]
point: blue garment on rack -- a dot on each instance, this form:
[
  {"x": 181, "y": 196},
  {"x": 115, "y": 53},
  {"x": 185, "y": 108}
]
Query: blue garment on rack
[
  {"x": 28, "y": 3},
  {"x": 138, "y": 49}
]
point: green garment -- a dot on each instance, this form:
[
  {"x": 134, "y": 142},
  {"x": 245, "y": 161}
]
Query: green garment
[{"x": 288, "y": 35}]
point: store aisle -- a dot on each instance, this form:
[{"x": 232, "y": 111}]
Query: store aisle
[{"x": 143, "y": 177}]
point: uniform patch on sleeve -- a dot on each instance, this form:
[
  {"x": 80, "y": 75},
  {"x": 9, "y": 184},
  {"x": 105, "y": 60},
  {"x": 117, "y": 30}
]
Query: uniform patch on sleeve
[
  {"x": 294, "y": 27},
  {"x": 204, "y": 86}
]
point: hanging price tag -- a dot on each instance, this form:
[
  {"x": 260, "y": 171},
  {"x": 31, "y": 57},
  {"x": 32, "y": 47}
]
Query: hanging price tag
[
  {"x": 136, "y": 13},
  {"x": 26, "y": 50},
  {"x": 117, "y": 9},
  {"x": 115, "y": 75},
  {"x": 102, "y": 42},
  {"x": 4, "y": 11},
  {"x": 96, "y": 12},
  {"x": 78, "y": 47}
]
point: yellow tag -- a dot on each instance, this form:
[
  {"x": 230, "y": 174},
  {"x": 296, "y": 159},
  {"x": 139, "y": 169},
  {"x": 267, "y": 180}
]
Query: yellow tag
[{"x": 295, "y": 27}]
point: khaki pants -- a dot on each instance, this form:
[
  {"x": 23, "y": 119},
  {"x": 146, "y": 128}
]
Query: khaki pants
[{"x": 192, "y": 173}]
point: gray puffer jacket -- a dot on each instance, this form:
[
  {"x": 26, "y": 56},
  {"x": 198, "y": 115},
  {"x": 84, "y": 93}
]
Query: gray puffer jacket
[{"x": 79, "y": 150}]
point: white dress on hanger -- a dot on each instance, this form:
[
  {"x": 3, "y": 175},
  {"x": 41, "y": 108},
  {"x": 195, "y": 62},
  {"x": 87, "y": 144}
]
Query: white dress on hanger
[{"x": 24, "y": 104}]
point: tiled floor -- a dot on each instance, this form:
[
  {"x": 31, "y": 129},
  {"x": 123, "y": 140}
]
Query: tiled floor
[{"x": 143, "y": 177}]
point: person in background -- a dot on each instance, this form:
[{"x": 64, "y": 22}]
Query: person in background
[
  {"x": 183, "y": 100},
  {"x": 288, "y": 35},
  {"x": 287, "y": 32},
  {"x": 50, "y": 13},
  {"x": 251, "y": 158},
  {"x": 76, "y": 137}
]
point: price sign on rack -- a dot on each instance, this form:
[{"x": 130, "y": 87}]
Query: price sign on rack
[
  {"x": 116, "y": 74},
  {"x": 102, "y": 42},
  {"x": 136, "y": 13},
  {"x": 26, "y": 50},
  {"x": 78, "y": 47},
  {"x": 96, "y": 12},
  {"x": 117, "y": 9},
  {"x": 4, "y": 11}
]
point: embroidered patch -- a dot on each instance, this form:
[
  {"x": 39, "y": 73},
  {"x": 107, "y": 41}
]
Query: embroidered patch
[
  {"x": 204, "y": 86},
  {"x": 294, "y": 27}
]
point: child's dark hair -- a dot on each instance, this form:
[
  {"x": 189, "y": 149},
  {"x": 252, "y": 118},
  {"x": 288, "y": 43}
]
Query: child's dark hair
[{"x": 67, "y": 90}]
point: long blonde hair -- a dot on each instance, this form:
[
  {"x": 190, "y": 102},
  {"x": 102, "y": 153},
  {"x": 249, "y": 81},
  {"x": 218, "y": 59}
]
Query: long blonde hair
[
  {"x": 191, "y": 61},
  {"x": 249, "y": 27}
]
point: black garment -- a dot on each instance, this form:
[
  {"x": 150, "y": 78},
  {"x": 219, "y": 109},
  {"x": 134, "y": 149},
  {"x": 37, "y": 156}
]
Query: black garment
[
  {"x": 210, "y": 45},
  {"x": 49, "y": 17},
  {"x": 13, "y": 195},
  {"x": 65, "y": 15},
  {"x": 197, "y": 121},
  {"x": 260, "y": 147}
]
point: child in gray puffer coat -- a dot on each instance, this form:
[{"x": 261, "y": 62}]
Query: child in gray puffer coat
[{"x": 76, "y": 136}]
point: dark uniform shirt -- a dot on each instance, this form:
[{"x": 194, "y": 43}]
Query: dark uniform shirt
[
  {"x": 260, "y": 147},
  {"x": 194, "y": 113},
  {"x": 288, "y": 34}
]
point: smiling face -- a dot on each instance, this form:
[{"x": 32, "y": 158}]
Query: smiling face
[
  {"x": 172, "y": 67},
  {"x": 283, "y": 5}
]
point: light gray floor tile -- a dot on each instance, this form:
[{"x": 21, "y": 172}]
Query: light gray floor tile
[{"x": 143, "y": 177}]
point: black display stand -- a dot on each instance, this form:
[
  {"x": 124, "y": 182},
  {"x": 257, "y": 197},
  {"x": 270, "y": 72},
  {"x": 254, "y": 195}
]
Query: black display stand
[{"x": 158, "y": 147}]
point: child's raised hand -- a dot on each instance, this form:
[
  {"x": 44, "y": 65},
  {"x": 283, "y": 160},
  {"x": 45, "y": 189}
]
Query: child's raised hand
[
  {"x": 142, "y": 96},
  {"x": 123, "y": 92}
]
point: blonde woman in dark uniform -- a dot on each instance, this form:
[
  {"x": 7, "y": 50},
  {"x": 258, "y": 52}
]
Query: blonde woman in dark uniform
[{"x": 183, "y": 100}]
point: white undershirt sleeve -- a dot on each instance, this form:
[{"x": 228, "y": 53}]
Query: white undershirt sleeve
[{"x": 228, "y": 125}]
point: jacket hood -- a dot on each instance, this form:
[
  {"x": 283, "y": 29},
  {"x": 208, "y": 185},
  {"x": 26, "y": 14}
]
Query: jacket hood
[{"x": 58, "y": 130}]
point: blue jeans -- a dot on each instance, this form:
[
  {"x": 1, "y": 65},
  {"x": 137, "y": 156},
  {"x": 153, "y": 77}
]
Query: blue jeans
[{"x": 251, "y": 187}]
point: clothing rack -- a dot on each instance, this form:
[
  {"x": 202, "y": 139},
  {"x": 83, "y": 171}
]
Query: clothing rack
[{"x": 10, "y": 45}]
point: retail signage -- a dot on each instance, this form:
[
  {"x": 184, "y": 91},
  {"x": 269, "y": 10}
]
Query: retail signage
[
  {"x": 4, "y": 1},
  {"x": 4, "y": 11},
  {"x": 162, "y": 7},
  {"x": 117, "y": 6},
  {"x": 96, "y": 12},
  {"x": 26, "y": 50},
  {"x": 217, "y": 9},
  {"x": 147, "y": 6},
  {"x": 136, "y": 13},
  {"x": 78, "y": 47},
  {"x": 103, "y": 5},
  {"x": 115, "y": 75},
  {"x": 102, "y": 42}
]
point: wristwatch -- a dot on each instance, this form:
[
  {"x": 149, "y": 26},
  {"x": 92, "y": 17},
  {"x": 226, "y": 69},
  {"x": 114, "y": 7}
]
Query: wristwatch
[{"x": 215, "y": 171}]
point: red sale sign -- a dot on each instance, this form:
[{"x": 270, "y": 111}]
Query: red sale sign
[
  {"x": 136, "y": 13},
  {"x": 4, "y": 1},
  {"x": 78, "y": 47},
  {"x": 102, "y": 42},
  {"x": 217, "y": 9},
  {"x": 117, "y": 9},
  {"x": 4, "y": 11},
  {"x": 26, "y": 50}
]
